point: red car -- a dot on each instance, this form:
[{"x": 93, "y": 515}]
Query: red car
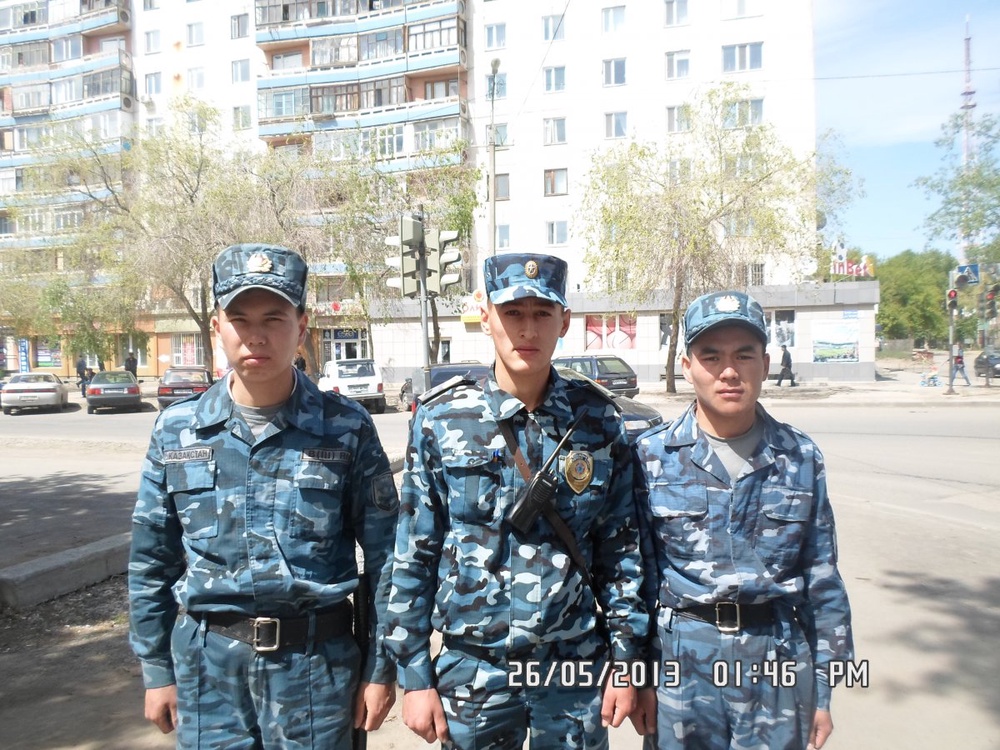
[{"x": 180, "y": 382}]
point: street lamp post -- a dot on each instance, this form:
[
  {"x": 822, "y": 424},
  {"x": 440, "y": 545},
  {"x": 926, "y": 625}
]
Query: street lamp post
[{"x": 492, "y": 145}]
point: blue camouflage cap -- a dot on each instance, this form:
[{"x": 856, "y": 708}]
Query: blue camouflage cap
[
  {"x": 250, "y": 266},
  {"x": 513, "y": 276},
  {"x": 724, "y": 308}
]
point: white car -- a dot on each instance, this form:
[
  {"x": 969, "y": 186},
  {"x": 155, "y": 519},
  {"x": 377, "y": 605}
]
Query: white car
[
  {"x": 359, "y": 379},
  {"x": 34, "y": 390}
]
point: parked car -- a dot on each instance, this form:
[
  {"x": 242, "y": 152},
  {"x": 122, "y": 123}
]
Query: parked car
[
  {"x": 638, "y": 417},
  {"x": 115, "y": 389},
  {"x": 180, "y": 382},
  {"x": 359, "y": 379},
  {"x": 34, "y": 390},
  {"x": 438, "y": 374},
  {"x": 991, "y": 356},
  {"x": 613, "y": 372}
]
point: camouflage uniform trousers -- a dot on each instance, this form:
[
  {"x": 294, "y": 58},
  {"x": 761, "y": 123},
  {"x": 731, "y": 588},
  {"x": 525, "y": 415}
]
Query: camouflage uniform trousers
[
  {"x": 229, "y": 696},
  {"x": 721, "y": 691},
  {"x": 490, "y": 707}
]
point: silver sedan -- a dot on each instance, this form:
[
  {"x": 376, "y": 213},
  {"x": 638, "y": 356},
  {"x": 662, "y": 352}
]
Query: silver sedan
[{"x": 34, "y": 390}]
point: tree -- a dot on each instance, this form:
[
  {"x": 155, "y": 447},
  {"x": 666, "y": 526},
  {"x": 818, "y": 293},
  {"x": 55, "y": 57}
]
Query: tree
[
  {"x": 674, "y": 220},
  {"x": 912, "y": 296},
  {"x": 969, "y": 188}
]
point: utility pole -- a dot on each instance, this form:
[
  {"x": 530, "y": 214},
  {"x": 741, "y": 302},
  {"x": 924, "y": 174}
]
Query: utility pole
[{"x": 492, "y": 145}]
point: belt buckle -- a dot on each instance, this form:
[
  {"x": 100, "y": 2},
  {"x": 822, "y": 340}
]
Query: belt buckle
[
  {"x": 727, "y": 627},
  {"x": 265, "y": 621}
]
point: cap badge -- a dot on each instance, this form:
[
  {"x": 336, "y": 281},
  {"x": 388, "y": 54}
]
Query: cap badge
[
  {"x": 579, "y": 468},
  {"x": 531, "y": 269},
  {"x": 727, "y": 304},
  {"x": 259, "y": 263}
]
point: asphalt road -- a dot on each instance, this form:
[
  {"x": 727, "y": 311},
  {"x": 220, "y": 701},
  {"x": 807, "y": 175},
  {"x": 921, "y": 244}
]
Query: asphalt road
[{"x": 918, "y": 507}]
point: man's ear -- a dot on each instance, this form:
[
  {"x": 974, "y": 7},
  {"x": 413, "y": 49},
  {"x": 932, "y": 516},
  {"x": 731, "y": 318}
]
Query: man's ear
[
  {"x": 686, "y": 367},
  {"x": 484, "y": 319},
  {"x": 565, "y": 322}
]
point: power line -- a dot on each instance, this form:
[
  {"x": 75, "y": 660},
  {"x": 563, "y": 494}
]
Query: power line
[{"x": 903, "y": 75}]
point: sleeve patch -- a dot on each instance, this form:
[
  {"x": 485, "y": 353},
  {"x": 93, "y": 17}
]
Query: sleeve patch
[{"x": 384, "y": 492}]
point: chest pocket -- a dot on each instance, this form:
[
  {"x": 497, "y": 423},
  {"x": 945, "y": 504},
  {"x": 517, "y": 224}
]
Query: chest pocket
[
  {"x": 680, "y": 519},
  {"x": 785, "y": 514},
  {"x": 317, "y": 514},
  {"x": 473, "y": 481},
  {"x": 191, "y": 485}
]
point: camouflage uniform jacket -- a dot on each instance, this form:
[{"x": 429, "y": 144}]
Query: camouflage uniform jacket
[
  {"x": 461, "y": 569},
  {"x": 769, "y": 538},
  {"x": 225, "y": 522}
]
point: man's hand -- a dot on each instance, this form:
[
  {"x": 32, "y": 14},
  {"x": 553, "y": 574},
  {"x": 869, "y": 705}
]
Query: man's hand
[
  {"x": 618, "y": 704},
  {"x": 424, "y": 714},
  {"x": 822, "y": 728},
  {"x": 644, "y": 716},
  {"x": 161, "y": 707},
  {"x": 372, "y": 704}
]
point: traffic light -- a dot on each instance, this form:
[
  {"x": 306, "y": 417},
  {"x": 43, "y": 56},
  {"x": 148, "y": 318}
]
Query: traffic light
[
  {"x": 952, "y": 299},
  {"x": 409, "y": 240},
  {"x": 438, "y": 260},
  {"x": 991, "y": 301}
]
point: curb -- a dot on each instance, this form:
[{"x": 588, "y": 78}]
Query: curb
[{"x": 36, "y": 581}]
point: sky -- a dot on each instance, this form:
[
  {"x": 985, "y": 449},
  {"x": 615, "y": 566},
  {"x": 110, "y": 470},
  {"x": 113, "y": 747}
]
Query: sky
[{"x": 889, "y": 74}]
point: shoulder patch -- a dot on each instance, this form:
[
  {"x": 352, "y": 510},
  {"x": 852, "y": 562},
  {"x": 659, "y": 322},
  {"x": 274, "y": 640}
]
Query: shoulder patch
[
  {"x": 446, "y": 386},
  {"x": 384, "y": 493}
]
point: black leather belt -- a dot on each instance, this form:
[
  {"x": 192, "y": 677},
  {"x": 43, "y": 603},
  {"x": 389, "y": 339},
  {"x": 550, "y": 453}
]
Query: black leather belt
[
  {"x": 272, "y": 633},
  {"x": 730, "y": 617}
]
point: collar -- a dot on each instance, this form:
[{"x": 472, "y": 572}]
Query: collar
[
  {"x": 504, "y": 406},
  {"x": 303, "y": 409}
]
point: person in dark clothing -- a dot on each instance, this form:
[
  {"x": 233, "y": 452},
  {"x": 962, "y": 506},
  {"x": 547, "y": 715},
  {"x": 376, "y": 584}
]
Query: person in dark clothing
[
  {"x": 300, "y": 362},
  {"x": 81, "y": 374},
  {"x": 132, "y": 364},
  {"x": 786, "y": 366}
]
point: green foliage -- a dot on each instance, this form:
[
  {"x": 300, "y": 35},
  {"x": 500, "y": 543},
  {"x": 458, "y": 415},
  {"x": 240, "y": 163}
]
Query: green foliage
[{"x": 912, "y": 296}]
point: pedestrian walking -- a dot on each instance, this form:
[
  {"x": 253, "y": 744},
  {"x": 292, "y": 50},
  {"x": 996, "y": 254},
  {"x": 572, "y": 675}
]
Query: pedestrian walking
[
  {"x": 252, "y": 497},
  {"x": 958, "y": 367},
  {"x": 81, "y": 374},
  {"x": 786, "y": 366},
  {"x": 132, "y": 364},
  {"x": 300, "y": 362},
  {"x": 752, "y": 608},
  {"x": 518, "y": 541}
]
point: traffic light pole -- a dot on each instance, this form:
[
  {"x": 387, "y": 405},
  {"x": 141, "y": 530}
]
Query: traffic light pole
[{"x": 951, "y": 354}]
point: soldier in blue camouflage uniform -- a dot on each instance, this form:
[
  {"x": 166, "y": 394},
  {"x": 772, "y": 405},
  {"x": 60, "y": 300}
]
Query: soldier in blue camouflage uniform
[
  {"x": 752, "y": 609},
  {"x": 523, "y": 650},
  {"x": 251, "y": 499}
]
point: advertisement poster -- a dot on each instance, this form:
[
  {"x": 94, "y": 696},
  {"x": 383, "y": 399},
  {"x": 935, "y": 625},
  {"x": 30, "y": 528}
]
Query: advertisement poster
[
  {"x": 784, "y": 328},
  {"x": 836, "y": 340}
]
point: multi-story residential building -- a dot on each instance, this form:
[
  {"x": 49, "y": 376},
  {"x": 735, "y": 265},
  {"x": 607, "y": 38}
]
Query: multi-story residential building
[{"x": 536, "y": 92}]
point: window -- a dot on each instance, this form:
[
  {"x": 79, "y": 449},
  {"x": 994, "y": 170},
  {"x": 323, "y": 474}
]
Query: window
[
  {"x": 241, "y": 117},
  {"x": 496, "y": 36},
  {"x": 434, "y": 134},
  {"x": 678, "y": 119},
  {"x": 500, "y": 133},
  {"x": 679, "y": 64},
  {"x": 503, "y": 236},
  {"x": 67, "y": 48},
  {"x": 554, "y": 130},
  {"x": 381, "y": 44},
  {"x": 737, "y": 57},
  {"x": 744, "y": 113},
  {"x": 382, "y": 93},
  {"x": 739, "y": 8},
  {"x": 152, "y": 84},
  {"x": 241, "y": 71},
  {"x": 738, "y": 224},
  {"x": 555, "y": 79},
  {"x": 679, "y": 171},
  {"x": 552, "y": 28},
  {"x": 152, "y": 41},
  {"x": 196, "y": 79},
  {"x": 335, "y": 51},
  {"x": 556, "y": 182},
  {"x": 441, "y": 89},
  {"x": 756, "y": 278},
  {"x": 239, "y": 26},
  {"x": 186, "y": 349},
  {"x": 433, "y": 35},
  {"x": 613, "y": 19},
  {"x": 615, "y": 124},
  {"x": 503, "y": 187},
  {"x": 197, "y": 123},
  {"x": 614, "y": 72},
  {"x": 150, "y": 4},
  {"x": 196, "y": 34},
  {"x": 555, "y": 233},
  {"x": 677, "y": 12},
  {"x": 286, "y": 61},
  {"x": 497, "y": 85}
]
